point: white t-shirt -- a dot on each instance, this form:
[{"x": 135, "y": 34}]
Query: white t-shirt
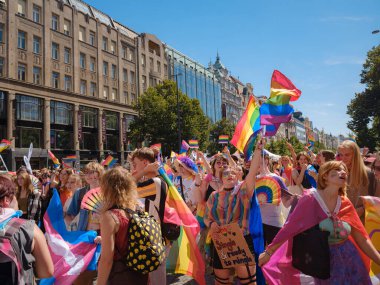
[{"x": 188, "y": 184}]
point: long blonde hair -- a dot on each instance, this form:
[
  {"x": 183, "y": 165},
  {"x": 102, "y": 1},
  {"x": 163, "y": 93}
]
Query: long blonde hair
[
  {"x": 324, "y": 171},
  {"x": 118, "y": 189},
  {"x": 358, "y": 176}
]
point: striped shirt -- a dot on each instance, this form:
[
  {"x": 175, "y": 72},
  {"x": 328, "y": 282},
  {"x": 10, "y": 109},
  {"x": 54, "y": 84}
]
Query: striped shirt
[{"x": 226, "y": 207}]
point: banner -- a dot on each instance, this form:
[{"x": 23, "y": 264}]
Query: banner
[{"x": 80, "y": 125}]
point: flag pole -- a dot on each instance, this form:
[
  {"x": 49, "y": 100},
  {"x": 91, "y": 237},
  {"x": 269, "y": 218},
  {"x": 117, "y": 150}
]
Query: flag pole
[{"x": 4, "y": 163}]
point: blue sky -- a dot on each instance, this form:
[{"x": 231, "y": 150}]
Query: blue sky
[{"x": 318, "y": 44}]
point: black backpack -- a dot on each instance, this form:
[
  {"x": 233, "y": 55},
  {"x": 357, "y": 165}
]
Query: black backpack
[{"x": 146, "y": 249}]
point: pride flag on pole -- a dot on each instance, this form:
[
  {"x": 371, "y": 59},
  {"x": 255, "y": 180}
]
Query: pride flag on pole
[
  {"x": 4, "y": 144},
  {"x": 223, "y": 139},
  {"x": 247, "y": 129},
  {"x": 193, "y": 144},
  {"x": 372, "y": 226},
  {"x": 54, "y": 159},
  {"x": 184, "y": 147},
  {"x": 276, "y": 109},
  {"x": 71, "y": 252},
  {"x": 109, "y": 161},
  {"x": 184, "y": 257}
]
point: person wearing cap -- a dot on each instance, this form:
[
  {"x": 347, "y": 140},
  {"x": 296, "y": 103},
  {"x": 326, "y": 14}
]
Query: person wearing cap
[{"x": 185, "y": 180}]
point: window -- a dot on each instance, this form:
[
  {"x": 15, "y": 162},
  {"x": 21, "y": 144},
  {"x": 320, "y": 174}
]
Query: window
[
  {"x": 54, "y": 51},
  {"x": 82, "y": 33},
  {"x": 21, "y": 7},
  {"x": 67, "y": 83},
  {"x": 21, "y": 72},
  {"x": 131, "y": 55},
  {"x": 143, "y": 81},
  {"x": 67, "y": 27},
  {"x": 60, "y": 139},
  {"x": 132, "y": 77},
  {"x": 93, "y": 89},
  {"x": 105, "y": 68},
  {"x": 82, "y": 60},
  {"x": 92, "y": 38},
  {"x": 133, "y": 98},
  {"x": 143, "y": 60},
  {"x": 151, "y": 63},
  {"x": 124, "y": 52},
  {"x": 1, "y": 66},
  {"x": 113, "y": 94},
  {"x": 36, "y": 45},
  {"x": 105, "y": 43},
  {"x": 92, "y": 64},
  {"x": 36, "y": 75},
  {"x": 61, "y": 113},
  {"x": 112, "y": 121},
  {"x": 83, "y": 87},
  {"x": 67, "y": 57},
  {"x": 105, "y": 92},
  {"x": 125, "y": 75},
  {"x": 36, "y": 13},
  {"x": 55, "y": 80},
  {"x": 125, "y": 97},
  {"x": 89, "y": 117},
  {"x": 113, "y": 47},
  {"x": 29, "y": 108},
  {"x": 158, "y": 66},
  {"x": 21, "y": 40},
  {"x": 55, "y": 22},
  {"x": 113, "y": 71}
]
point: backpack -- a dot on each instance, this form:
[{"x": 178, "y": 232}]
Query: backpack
[{"x": 146, "y": 249}]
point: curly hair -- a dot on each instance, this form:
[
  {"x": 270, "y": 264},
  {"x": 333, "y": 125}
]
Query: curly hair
[{"x": 118, "y": 189}]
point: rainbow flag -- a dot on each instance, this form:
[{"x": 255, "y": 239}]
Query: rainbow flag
[
  {"x": 69, "y": 158},
  {"x": 223, "y": 139},
  {"x": 157, "y": 145},
  {"x": 276, "y": 109},
  {"x": 54, "y": 159},
  {"x": 169, "y": 171},
  {"x": 372, "y": 226},
  {"x": 109, "y": 161},
  {"x": 247, "y": 129},
  {"x": 193, "y": 144},
  {"x": 184, "y": 147},
  {"x": 184, "y": 257},
  {"x": 4, "y": 144}
]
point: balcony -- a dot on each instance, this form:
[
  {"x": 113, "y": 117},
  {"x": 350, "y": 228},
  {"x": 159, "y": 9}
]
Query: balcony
[{"x": 154, "y": 74}]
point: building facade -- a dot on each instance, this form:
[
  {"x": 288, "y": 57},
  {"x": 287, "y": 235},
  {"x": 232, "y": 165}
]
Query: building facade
[
  {"x": 68, "y": 79},
  {"x": 196, "y": 81}
]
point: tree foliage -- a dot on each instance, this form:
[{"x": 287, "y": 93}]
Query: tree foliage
[
  {"x": 157, "y": 118},
  {"x": 222, "y": 127},
  {"x": 364, "y": 108}
]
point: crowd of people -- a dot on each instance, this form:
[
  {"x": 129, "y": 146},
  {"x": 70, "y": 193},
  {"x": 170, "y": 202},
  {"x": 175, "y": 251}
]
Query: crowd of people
[{"x": 318, "y": 191}]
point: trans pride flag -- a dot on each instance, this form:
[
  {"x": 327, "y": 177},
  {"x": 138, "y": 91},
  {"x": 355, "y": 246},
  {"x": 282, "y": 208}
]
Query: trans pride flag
[
  {"x": 372, "y": 226},
  {"x": 247, "y": 129},
  {"x": 71, "y": 252},
  {"x": 185, "y": 257},
  {"x": 276, "y": 109}
]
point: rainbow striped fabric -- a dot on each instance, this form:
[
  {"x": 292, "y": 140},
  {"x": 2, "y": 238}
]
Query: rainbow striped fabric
[
  {"x": 184, "y": 147},
  {"x": 276, "y": 109},
  {"x": 372, "y": 226},
  {"x": 223, "y": 139},
  {"x": 69, "y": 158},
  {"x": 4, "y": 144},
  {"x": 156, "y": 145},
  {"x": 193, "y": 144},
  {"x": 185, "y": 257},
  {"x": 247, "y": 129},
  {"x": 109, "y": 161},
  {"x": 54, "y": 159}
]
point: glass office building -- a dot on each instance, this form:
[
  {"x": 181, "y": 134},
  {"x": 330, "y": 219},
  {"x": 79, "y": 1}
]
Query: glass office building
[{"x": 197, "y": 82}]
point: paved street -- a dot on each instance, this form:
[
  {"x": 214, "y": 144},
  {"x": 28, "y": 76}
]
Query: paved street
[{"x": 176, "y": 279}]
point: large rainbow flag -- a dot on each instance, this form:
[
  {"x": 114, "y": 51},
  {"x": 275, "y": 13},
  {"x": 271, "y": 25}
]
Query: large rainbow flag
[
  {"x": 372, "y": 226},
  {"x": 185, "y": 257},
  {"x": 276, "y": 109},
  {"x": 247, "y": 128}
]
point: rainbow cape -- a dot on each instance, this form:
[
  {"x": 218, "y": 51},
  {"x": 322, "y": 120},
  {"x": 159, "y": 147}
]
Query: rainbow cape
[
  {"x": 54, "y": 159},
  {"x": 372, "y": 226},
  {"x": 276, "y": 109},
  {"x": 184, "y": 257}
]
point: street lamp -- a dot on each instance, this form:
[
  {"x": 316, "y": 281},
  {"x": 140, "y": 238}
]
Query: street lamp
[{"x": 178, "y": 113}]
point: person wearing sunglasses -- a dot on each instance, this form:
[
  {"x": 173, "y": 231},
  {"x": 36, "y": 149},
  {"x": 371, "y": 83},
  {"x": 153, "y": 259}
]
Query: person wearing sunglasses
[{"x": 231, "y": 204}]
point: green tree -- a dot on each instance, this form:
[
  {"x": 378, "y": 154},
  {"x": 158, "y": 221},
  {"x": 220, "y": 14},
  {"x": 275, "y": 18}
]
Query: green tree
[
  {"x": 157, "y": 118},
  {"x": 222, "y": 127},
  {"x": 364, "y": 108}
]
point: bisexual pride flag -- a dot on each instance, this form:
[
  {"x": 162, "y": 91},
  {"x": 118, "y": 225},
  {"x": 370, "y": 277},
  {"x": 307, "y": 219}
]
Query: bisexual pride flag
[
  {"x": 184, "y": 147},
  {"x": 71, "y": 252}
]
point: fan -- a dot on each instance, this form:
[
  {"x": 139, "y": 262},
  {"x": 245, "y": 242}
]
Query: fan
[
  {"x": 268, "y": 190},
  {"x": 92, "y": 201}
]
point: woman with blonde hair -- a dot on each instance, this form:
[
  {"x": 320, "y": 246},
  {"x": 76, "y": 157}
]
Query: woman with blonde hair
[
  {"x": 328, "y": 208},
  {"x": 118, "y": 188},
  {"x": 361, "y": 181}
]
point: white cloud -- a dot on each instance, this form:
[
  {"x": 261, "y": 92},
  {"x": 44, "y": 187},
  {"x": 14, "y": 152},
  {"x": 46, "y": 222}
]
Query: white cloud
[{"x": 345, "y": 18}]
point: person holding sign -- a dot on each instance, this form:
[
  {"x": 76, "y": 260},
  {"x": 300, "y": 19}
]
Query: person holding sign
[{"x": 230, "y": 205}]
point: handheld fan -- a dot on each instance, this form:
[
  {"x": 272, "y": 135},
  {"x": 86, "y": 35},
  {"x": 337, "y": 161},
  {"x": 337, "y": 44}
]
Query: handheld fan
[
  {"x": 268, "y": 190},
  {"x": 92, "y": 201}
]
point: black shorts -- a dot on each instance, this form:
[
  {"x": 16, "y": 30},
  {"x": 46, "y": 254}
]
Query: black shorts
[
  {"x": 269, "y": 233},
  {"x": 215, "y": 260}
]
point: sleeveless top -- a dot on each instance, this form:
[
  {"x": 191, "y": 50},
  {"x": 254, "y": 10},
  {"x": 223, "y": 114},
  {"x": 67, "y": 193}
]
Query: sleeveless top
[
  {"x": 121, "y": 237},
  {"x": 305, "y": 182}
]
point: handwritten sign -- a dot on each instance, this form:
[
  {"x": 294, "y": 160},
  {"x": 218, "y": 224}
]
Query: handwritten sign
[{"x": 231, "y": 246}]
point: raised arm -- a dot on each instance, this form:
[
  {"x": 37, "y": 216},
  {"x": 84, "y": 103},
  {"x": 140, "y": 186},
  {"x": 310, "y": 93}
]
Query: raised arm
[
  {"x": 44, "y": 264},
  {"x": 231, "y": 161},
  {"x": 250, "y": 179},
  {"x": 207, "y": 165},
  {"x": 293, "y": 153}
]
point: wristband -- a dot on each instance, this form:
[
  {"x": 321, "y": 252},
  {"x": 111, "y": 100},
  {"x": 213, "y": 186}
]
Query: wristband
[{"x": 267, "y": 253}]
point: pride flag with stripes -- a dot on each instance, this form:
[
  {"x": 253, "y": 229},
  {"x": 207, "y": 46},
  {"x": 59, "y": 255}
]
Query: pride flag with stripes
[
  {"x": 4, "y": 144},
  {"x": 156, "y": 145},
  {"x": 184, "y": 147},
  {"x": 247, "y": 128},
  {"x": 276, "y": 109},
  {"x": 109, "y": 161},
  {"x": 372, "y": 226},
  {"x": 69, "y": 158},
  {"x": 223, "y": 139},
  {"x": 193, "y": 144},
  {"x": 185, "y": 257},
  {"x": 54, "y": 159}
]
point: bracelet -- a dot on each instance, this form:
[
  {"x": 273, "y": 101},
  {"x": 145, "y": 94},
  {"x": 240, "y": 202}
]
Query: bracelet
[
  {"x": 267, "y": 253},
  {"x": 197, "y": 185}
]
